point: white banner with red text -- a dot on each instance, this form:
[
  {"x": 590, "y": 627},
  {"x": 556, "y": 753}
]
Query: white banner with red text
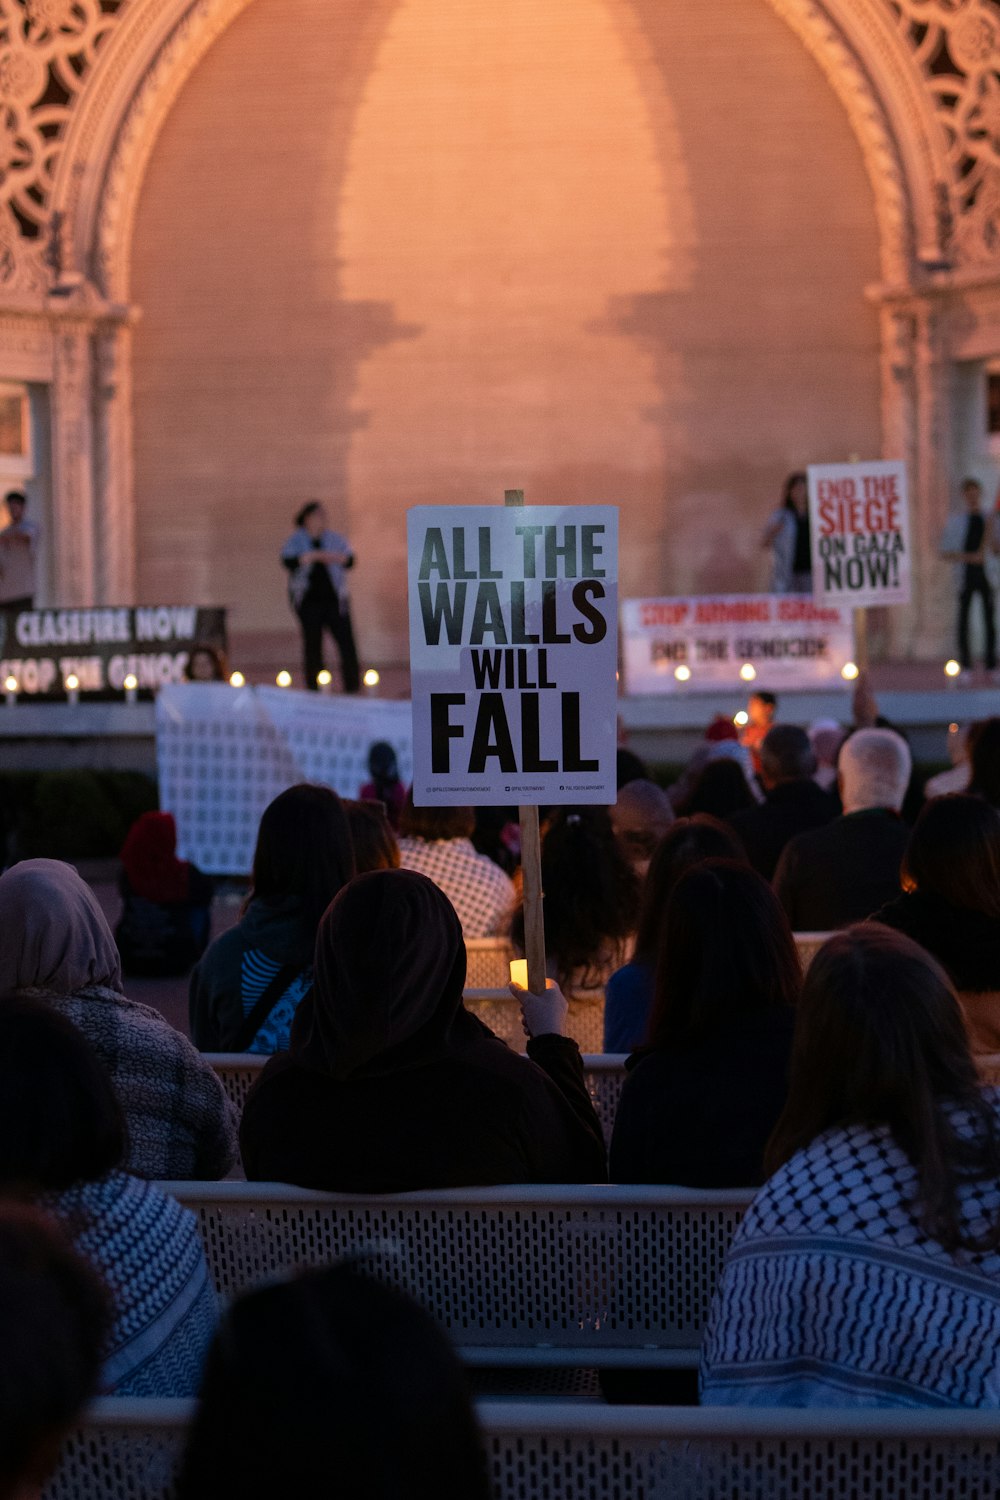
[{"x": 733, "y": 640}]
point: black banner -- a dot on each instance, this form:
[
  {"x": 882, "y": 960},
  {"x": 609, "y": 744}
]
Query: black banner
[{"x": 40, "y": 648}]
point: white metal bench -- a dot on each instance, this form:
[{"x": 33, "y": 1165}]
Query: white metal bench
[
  {"x": 129, "y": 1450},
  {"x": 488, "y": 963},
  {"x": 531, "y": 1276},
  {"x": 604, "y": 1071},
  {"x": 502, "y": 1014}
]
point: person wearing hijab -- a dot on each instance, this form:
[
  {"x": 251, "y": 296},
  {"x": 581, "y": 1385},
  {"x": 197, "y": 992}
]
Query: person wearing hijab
[
  {"x": 165, "y": 921},
  {"x": 390, "y": 1085},
  {"x": 56, "y": 944}
]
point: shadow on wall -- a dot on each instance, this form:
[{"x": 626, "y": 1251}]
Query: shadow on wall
[
  {"x": 248, "y": 354},
  {"x": 766, "y": 349}
]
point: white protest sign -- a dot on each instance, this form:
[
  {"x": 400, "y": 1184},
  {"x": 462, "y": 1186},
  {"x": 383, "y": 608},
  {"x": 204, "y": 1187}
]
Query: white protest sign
[
  {"x": 702, "y": 642},
  {"x": 859, "y": 519},
  {"x": 513, "y": 654},
  {"x": 224, "y": 753}
]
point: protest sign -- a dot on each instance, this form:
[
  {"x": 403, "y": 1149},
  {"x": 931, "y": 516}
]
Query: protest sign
[
  {"x": 224, "y": 753},
  {"x": 40, "y": 648},
  {"x": 513, "y": 654},
  {"x": 788, "y": 640},
  {"x": 860, "y": 531}
]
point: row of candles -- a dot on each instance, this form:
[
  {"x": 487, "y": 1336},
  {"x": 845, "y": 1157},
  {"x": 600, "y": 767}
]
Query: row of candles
[
  {"x": 850, "y": 671},
  {"x": 71, "y": 684},
  {"x": 130, "y": 685}
]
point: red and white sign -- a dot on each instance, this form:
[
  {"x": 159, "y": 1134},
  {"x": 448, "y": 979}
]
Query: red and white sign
[
  {"x": 860, "y": 529},
  {"x": 705, "y": 642}
]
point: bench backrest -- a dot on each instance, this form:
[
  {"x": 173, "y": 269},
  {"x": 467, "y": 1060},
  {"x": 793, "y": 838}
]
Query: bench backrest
[
  {"x": 567, "y": 1268},
  {"x": 129, "y": 1450},
  {"x": 604, "y": 1071},
  {"x": 502, "y": 1014},
  {"x": 488, "y": 963}
]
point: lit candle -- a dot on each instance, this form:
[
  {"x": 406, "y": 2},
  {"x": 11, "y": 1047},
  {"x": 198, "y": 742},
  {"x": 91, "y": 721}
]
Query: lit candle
[
  {"x": 131, "y": 686},
  {"x": 10, "y": 691},
  {"x": 72, "y": 688},
  {"x": 519, "y": 974},
  {"x": 324, "y": 679},
  {"x": 236, "y": 679},
  {"x": 371, "y": 680},
  {"x": 284, "y": 679}
]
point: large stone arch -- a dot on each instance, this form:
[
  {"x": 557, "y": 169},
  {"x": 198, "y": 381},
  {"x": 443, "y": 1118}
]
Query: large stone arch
[
  {"x": 929, "y": 210},
  {"x": 158, "y": 44}
]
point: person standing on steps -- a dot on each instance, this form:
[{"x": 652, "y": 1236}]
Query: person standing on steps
[
  {"x": 18, "y": 555},
  {"x": 318, "y": 561},
  {"x": 972, "y": 577}
]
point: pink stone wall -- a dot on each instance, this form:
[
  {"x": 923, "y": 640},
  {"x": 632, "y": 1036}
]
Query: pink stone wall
[{"x": 393, "y": 252}]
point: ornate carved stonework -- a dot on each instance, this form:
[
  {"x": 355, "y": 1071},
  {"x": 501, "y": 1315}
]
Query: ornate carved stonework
[
  {"x": 92, "y": 80},
  {"x": 47, "y": 53},
  {"x": 956, "y": 46}
]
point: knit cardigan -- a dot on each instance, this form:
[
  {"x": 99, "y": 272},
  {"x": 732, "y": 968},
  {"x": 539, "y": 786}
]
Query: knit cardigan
[{"x": 180, "y": 1123}]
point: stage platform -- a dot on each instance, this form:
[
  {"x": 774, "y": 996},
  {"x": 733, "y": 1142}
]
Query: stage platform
[{"x": 117, "y": 736}]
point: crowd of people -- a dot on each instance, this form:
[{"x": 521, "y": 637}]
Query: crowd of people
[{"x": 858, "y": 1099}]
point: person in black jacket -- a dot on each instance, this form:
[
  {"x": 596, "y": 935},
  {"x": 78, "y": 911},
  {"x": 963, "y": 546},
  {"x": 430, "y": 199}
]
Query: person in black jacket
[
  {"x": 389, "y": 1083},
  {"x": 840, "y": 874},
  {"x": 792, "y": 803},
  {"x": 702, "y": 1098}
]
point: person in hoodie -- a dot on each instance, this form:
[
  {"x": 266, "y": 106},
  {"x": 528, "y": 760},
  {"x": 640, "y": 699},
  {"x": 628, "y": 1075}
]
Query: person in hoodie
[
  {"x": 245, "y": 990},
  {"x": 951, "y": 907},
  {"x": 391, "y": 1085}
]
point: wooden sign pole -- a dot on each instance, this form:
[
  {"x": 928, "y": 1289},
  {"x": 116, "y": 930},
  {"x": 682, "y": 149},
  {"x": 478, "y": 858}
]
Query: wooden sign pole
[
  {"x": 531, "y": 867},
  {"x": 861, "y": 639}
]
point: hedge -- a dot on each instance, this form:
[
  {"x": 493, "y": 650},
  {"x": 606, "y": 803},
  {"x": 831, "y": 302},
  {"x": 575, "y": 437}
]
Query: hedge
[{"x": 72, "y": 814}]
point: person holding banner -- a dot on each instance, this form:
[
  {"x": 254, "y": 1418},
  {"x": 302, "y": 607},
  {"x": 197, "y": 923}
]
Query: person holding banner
[
  {"x": 318, "y": 560},
  {"x": 973, "y": 540},
  {"x": 787, "y": 534}
]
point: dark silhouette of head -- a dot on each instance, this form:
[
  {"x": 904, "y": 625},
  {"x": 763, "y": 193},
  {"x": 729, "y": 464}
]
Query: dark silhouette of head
[{"x": 333, "y": 1384}]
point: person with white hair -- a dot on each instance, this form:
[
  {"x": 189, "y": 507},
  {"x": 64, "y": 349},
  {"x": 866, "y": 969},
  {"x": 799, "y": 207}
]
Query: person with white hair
[{"x": 832, "y": 876}]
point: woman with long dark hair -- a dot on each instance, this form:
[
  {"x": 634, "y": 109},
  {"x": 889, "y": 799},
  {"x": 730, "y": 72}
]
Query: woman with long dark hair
[
  {"x": 591, "y": 899},
  {"x": 951, "y": 906},
  {"x": 245, "y": 990},
  {"x": 702, "y": 1097},
  {"x": 867, "y": 1270},
  {"x": 628, "y": 997}
]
